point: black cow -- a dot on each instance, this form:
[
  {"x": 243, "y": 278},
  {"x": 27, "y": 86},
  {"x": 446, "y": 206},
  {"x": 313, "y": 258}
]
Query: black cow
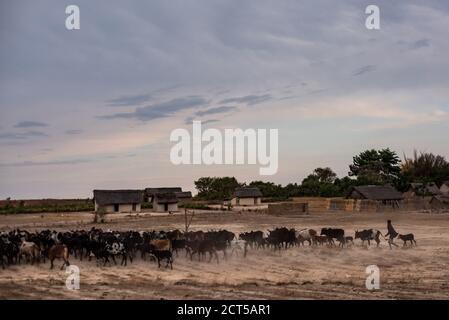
[
  {"x": 253, "y": 238},
  {"x": 201, "y": 247},
  {"x": 331, "y": 233},
  {"x": 281, "y": 237},
  {"x": 220, "y": 236},
  {"x": 3, "y": 256},
  {"x": 161, "y": 255},
  {"x": 178, "y": 244},
  {"x": 408, "y": 237}
]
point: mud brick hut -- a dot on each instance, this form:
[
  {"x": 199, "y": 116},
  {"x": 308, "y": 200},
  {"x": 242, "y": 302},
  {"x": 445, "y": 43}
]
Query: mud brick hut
[
  {"x": 181, "y": 195},
  {"x": 417, "y": 189},
  {"x": 118, "y": 200},
  {"x": 247, "y": 197},
  {"x": 166, "y": 199},
  {"x": 150, "y": 192},
  {"x": 165, "y": 202},
  {"x": 375, "y": 197},
  {"x": 440, "y": 203}
]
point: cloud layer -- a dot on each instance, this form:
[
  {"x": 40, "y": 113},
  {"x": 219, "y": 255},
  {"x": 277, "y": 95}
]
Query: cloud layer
[
  {"x": 137, "y": 70},
  {"x": 160, "y": 110}
]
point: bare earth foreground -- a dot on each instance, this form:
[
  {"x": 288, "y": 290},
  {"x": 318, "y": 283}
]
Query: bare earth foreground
[{"x": 296, "y": 273}]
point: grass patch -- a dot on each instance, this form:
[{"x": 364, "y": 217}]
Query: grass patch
[
  {"x": 10, "y": 209},
  {"x": 197, "y": 206},
  {"x": 147, "y": 205},
  {"x": 276, "y": 199}
]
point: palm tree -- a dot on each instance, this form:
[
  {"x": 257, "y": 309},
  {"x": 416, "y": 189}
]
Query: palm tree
[{"x": 425, "y": 167}]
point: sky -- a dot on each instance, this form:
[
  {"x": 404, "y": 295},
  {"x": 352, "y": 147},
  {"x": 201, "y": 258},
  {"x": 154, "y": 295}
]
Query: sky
[{"x": 94, "y": 108}]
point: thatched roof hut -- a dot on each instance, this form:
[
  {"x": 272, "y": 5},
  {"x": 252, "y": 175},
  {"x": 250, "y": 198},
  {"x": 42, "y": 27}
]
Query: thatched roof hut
[
  {"x": 105, "y": 197},
  {"x": 377, "y": 193},
  {"x": 166, "y": 197},
  {"x": 183, "y": 195},
  {"x": 422, "y": 189},
  {"x": 247, "y": 197},
  {"x": 177, "y": 191},
  {"x": 165, "y": 202},
  {"x": 118, "y": 200},
  {"x": 151, "y": 191},
  {"x": 440, "y": 202},
  {"x": 247, "y": 193}
]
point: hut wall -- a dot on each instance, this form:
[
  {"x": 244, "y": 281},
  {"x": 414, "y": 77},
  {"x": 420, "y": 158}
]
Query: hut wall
[
  {"x": 415, "y": 204},
  {"x": 438, "y": 206},
  {"x": 246, "y": 201},
  {"x": 161, "y": 207},
  {"x": 288, "y": 208},
  {"x": 106, "y": 208},
  {"x": 126, "y": 207},
  {"x": 366, "y": 205},
  {"x": 315, "y": 204},
  {"x": 376, "y": 206},
  {"x": 339, "y": 204}
]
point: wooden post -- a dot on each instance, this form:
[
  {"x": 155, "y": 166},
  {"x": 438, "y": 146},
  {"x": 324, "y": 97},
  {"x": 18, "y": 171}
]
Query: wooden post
[
  {"x": 185, "y": 218},
  {"x": 188, "y": 222}
]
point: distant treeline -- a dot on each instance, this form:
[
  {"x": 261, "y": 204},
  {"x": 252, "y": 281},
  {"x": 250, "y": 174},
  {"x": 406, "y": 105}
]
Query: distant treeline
[
  {"x": 46, "y": 205},
  {"x": 370, "y": 167}
]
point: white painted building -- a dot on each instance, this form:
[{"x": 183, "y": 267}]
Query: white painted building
[
  {"x": 116, "y": 201},
  {"x": 247, "y": 197},
  {"x": 166, "y": 199},
  {"x": 165, "y": 202}
]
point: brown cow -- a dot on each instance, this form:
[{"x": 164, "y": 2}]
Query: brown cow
[
  {"x": 59, "y": 251},
  {"x": 30, "y": 250},
  {"x": 175, "y": 234},
  {"x": 161, "y": 244},
  {"x": 320, "y": 240}
]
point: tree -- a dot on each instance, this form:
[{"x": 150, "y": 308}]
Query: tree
[
  {"x": 425, "y": 167},
  {"x": 269, "y": 189},
  {"x": 320, "y": 183},
  {"x": 344, "y": 184},
  {"x": 216, "y": 188},
  {"x": 293, "y": 190},
  {"x": 323, "y": 175},
  {"x": 376, "y": 167}
]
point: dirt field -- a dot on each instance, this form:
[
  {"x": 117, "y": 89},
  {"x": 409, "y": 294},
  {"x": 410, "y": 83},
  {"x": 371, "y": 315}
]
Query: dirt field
[{"x": 297, "y": 273}]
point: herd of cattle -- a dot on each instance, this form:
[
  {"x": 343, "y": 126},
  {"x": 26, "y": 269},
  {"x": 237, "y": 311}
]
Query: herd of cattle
[{"x": 20, "y": 246}]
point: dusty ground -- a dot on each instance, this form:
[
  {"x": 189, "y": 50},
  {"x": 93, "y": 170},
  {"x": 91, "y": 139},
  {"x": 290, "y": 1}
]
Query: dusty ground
[{"x": 296, "y": 273}]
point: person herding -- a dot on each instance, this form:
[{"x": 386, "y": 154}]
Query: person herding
[{"x": 391, "y": 234}]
